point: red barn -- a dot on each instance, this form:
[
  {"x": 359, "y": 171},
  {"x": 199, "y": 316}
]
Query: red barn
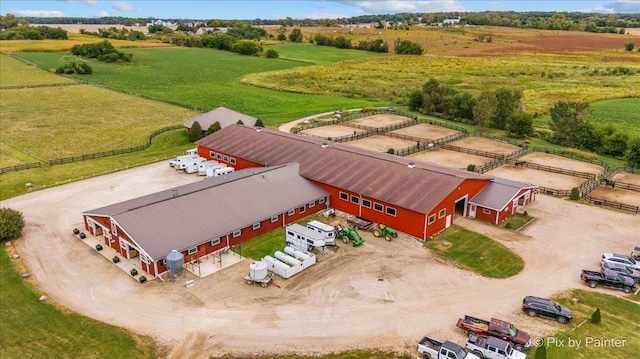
[
  {"x": 415, "y": 197},
  {"x": 500, "y": 199},
  {"x": 203, "y": 217}
]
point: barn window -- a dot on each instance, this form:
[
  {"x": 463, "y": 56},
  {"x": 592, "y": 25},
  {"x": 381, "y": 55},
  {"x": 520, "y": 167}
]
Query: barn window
[
  {"x": 192, "y": 250},
  {"x": 291, "y": 212},
  {"x": 302, "y": 209},
  {"x": 215, "y": 241},
  {"x": 378, "y": 207},
  {"x": 218, "y": 156},
  {"x": 442, "y": 213},
  {"x": 344, "y": 196},
  {"x": 312, "y": 204},
  {"x": 391, "y": 211},
  {"x": 237, "y": 233},
  {"x": 366, "y": 203},
  {"x": 212, "y": 154},
  {"x": 486, "y": 211},
  {"x": 355, "y": 199},
  {"x": 321, "y": 200},
  {"x": 432, "y": 218},
  {"x": 144, "y": 258},
  {"x": 274, "y": 218},
  {"x": 232, "y": 160},
  {"x": 255, "y": 226},
  {"x": 164, "y": 261},
  {"x": 225, "y": 158}
]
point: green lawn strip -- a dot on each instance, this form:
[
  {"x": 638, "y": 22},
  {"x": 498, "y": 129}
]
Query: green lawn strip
[
  {"x": 164, "y": 146},
  {"x": 620, "y": 321},
  {"x": 516, "y": 221},
  {"x": 207, "y": 79},
  {"x": 33, "y": 329},
  {"x": 319, "y": 55},
  {"x": 258, "y": 247},
  {"x": 476, "y": 252}
]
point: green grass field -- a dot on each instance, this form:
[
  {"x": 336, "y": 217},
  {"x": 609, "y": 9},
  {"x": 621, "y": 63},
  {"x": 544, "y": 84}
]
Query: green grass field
[
  {"x": 207, "y": 79},
  {"x": 33, "y": 329},
  {"x": 14, "y": 72},
  {"x": 319, "y": 55},
  {"x": 476, "y": 252},
  {"x": 624, "y": 114}
]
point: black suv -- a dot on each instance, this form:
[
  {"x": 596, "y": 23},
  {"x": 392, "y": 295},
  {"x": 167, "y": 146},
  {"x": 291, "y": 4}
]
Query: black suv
[{"x": 535, "y": 306}]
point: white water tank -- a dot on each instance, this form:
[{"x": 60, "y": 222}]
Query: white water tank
[
  {"x": 297, "y": 254},
  {"x": 287, "y": 258},
  {"x": 258, "y": 270},
  {"x": 276, "y": 263}
]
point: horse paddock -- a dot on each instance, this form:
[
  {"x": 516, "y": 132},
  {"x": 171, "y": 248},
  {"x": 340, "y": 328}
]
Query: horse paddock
[
  {"x": 333, "y": 131},
  {"x": 537, "y": 177},
  {"x": 381, "y": 143},
  {"x": 626, "y": 178},
  {"x": 616, "y": 194},
  {"x": 379, "y": 121},
  {"x": 547, "y": 159},
  {"x": 450, "y": 158},
  {"x": 426, "y": 131},
  {"x": 485, "y": 144}
]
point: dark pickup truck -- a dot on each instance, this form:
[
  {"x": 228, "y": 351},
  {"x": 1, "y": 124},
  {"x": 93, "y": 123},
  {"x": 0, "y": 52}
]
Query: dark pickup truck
[
  {"x": 609, "y": 279},
  {"x": 495, "y": 328}
]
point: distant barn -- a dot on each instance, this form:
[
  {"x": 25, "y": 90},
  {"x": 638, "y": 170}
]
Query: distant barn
[{"x": 222, "y": 115}]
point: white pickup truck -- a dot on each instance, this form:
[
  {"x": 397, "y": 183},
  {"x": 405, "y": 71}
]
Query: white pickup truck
[
  {"x": 493, "y": 348},
  {"x": 434, "y": 349}
]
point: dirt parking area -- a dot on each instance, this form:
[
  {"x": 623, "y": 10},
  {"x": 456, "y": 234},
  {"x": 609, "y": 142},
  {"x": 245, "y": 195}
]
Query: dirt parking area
[
  {"x": 377, "y": 121},
  {"x": 450, "y": 158},
  {"x": 381, "y": 143},
  {"x": 381, "y": 295},
  {"x": 332, "y": 131},
  {"x": 426, "y": 131},
  {"x": 541, "y": 178},
  {"x": 547, "y": 159},
  {"x": 485, "y": 144}
]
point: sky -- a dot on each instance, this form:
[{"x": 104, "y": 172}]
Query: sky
[{"x": 269, "y": 9}]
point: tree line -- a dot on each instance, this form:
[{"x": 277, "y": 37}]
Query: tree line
[{"x": 502, "y": 109}]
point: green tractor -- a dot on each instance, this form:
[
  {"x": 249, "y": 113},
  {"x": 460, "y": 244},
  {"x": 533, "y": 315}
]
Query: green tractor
[
  {"x": 349, "y": 234},
  {"x": 381, "y": 230}
]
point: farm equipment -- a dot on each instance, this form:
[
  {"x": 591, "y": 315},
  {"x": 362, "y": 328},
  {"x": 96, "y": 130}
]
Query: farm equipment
[
  {"x": 349, "y": 234},
  {"x": 381, "y": 230},
  {"x": 360, "y": 223}
]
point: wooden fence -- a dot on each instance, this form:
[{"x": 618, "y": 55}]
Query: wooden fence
[
  {"x": 472, "y": 151},
  {"x": 20, "y": 167},
  {"x": 616, "y": 205}
]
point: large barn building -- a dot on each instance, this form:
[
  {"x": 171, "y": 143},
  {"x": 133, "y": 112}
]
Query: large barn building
[
  {"x": 415, "y": 197},
  {"x": 206, "y": 216}
]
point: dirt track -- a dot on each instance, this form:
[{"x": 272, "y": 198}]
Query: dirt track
[{"x": 384, "y": 295}]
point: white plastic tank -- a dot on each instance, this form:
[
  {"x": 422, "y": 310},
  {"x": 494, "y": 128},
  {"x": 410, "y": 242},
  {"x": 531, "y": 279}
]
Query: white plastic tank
[
  {"x": 258, "y": 270},
  {"x": 297, "y": 254},
  {"x": 287, "y": 258},
  {"x": 274, "y": 262}
]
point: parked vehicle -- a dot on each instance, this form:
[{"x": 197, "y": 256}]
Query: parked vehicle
[
  {"x": 434, "y": 349},
  {"x": 609, "y": 279},
  {"x": 535, "y": 306},
  {"x": 303, "y": 238},
  {"x": 179, "y": 159},
  {"x": 192, "y": 163},
  {"x": 493, "y": 348},
  {"x": 620, "y": 259},
  {"x": 329, "y": 232},
  {"x": 624, "y": 270},
  {"x": 215, "y": 172},
  {"x": 380, "y": 230},
  {"x": 635, "y": 254},
  {"x": 349, "y": 234},
  {"x": 495, "y": 328},
  {"x": 202, "y": 167}
]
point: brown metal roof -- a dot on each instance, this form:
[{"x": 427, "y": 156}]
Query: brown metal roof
[
  {"x": 211, "y": 208},
  {"x": 222, "y": 115},
  {"x": 497, "y": 194},
  {"x": 369, "y": 173}
]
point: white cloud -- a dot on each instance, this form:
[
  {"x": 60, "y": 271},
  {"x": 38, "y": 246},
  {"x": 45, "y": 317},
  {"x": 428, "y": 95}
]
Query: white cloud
[
  {"x": 102, "y": 14},
  {"x": 618, "y": 6},
  {"x": 122, "y": 6},
  {"x": 87, "y": 2},
  {"x": 396, "y": 6},
  {"x": 37, "y": 13}
]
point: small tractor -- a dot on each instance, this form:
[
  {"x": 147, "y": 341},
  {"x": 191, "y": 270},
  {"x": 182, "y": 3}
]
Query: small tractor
[
  {"x": 381, "y": 230},
  {"x": 349, "y": 234}
]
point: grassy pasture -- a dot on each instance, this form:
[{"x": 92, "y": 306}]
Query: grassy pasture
[
  {"x": 319, "y": 55},
  {"x": 622, "y": 113},
  {"x": 66, "y": 45},
  {"x": 207, "y": 79},
  {"x": 14, "y": 72},
  {"x": 476, "y": 252}
]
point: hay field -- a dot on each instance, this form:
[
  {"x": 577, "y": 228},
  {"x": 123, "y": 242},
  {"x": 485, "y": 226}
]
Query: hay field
[{"x": 14, "y": 72}]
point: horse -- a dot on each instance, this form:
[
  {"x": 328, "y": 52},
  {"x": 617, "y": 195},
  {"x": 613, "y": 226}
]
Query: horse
[
  {"x": 609, "y": 183},
  {"x": 520, "y": 164}
]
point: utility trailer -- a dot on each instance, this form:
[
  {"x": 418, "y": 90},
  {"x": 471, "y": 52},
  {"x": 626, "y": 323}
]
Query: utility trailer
[{"x": 360, "y": 223}]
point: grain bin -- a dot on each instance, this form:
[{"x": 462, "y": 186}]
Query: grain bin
[{"x": 175, "y": 261}]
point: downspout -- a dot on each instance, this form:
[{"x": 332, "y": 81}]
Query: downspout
[{"x": 424, "y": 232}]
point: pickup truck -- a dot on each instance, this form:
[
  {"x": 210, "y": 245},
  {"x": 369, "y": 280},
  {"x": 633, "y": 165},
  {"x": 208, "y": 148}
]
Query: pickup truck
[
  {"x": 609, "y": 279},
  {"x": 434, "y": 349},
  {"x": 493, "y": 348},
  {"x": 495, "y": 328}
]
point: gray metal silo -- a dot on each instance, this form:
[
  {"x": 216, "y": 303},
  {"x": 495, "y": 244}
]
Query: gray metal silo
[{"x": 175, "y": 261}]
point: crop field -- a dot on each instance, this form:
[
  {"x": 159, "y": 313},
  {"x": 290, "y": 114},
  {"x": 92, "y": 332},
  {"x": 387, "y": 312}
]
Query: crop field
[
  {"x": 450, "y": 158},
  {"x": 66, "y": 45},
  {"x": 624, "y": 114},
  {"x": 426, "y": 131}
]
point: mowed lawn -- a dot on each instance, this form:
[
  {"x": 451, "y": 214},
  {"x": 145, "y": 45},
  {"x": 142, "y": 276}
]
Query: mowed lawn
[
  {"x": 319, "y": 55},
  {"x": 207, "y": 79}
]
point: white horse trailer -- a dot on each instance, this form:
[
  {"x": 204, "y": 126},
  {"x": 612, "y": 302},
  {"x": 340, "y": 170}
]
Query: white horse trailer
[
  {"x": 180, "y": 159},
  {"x": 219, "y": 171},
  {"x": 329, "y": 232},
  {"x": 190, "y": 166},
  {"x": 202, "y": 168},
  {"x": 303, "y": 238}
]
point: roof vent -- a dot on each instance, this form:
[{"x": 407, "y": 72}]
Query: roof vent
[
  {"x": 259, "y": 129},
  {"x": 411, "y": 164},
  {"x": 324, "y": 145}
]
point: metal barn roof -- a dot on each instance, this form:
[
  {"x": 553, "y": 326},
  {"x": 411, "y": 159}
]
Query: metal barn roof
[
  {"x": 497, "y": 194},
  {"x": 369, "y": 173},
  {"x": 223, "y": 115},
  {"x": 211, "y": 208}
]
